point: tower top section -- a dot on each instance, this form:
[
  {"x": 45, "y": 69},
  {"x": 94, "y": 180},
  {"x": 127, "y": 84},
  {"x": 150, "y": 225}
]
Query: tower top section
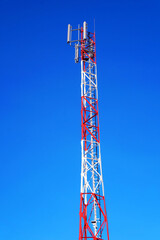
[{"x": 81, "y": 38}]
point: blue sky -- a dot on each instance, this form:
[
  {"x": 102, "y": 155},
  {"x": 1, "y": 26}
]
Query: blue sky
[{"x": 40, "y": 117}]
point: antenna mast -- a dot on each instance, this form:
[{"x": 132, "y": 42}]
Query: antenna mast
[{"x": 93, "y": 215}]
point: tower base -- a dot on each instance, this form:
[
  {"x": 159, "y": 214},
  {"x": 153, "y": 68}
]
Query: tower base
[{"x": 89, "y": 227}]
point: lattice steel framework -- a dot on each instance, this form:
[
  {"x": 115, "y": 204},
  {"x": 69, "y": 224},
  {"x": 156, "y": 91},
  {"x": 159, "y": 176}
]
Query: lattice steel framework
[{"x": 93, "y": 215}]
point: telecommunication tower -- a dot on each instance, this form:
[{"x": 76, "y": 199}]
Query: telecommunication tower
[{"x": 93, "y": 215}]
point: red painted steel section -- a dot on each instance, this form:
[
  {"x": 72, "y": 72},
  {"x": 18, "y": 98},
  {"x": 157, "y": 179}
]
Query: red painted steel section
[{"x": 85, "y": 231}]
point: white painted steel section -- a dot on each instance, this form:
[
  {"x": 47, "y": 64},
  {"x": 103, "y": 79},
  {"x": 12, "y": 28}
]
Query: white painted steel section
[{"x": 91, "y": 167}]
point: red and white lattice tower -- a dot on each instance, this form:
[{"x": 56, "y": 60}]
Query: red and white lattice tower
[{"x": 93, "y": 215}]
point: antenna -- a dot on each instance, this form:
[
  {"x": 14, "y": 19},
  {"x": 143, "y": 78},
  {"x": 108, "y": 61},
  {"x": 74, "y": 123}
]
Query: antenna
[
  {"x": 69, "y": 33},
  {"x": 76, "y": 53},
  {"x": 84, "y": 30}
]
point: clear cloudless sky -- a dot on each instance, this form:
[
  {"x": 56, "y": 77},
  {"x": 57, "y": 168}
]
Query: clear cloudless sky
[{"x": 40, "y": 129}]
